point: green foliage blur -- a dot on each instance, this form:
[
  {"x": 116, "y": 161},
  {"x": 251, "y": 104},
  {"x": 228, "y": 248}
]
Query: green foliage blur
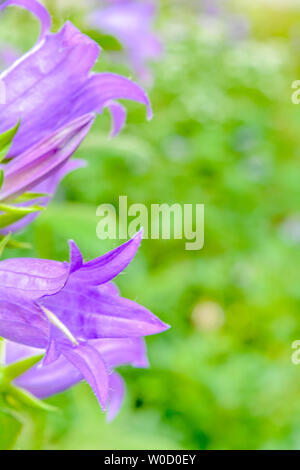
[{"x": 225, "y": 133}]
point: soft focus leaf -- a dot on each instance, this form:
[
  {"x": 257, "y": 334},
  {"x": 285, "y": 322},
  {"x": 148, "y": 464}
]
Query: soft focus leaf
[
  {"x": 1, "y": 178},
  {"x": 13, "y": 371},
  {"x": 28, "y": 400},
  {"x": 3, "y": 243},
  {"x": 6, "y": 140},
  {"x": 10, "y": 428},
  {"x": 29, "y": 197},
  {"x": 14, "y": 213}
]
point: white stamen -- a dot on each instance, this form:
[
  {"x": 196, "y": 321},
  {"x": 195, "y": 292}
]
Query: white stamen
[{"x": 56, "y": 322}]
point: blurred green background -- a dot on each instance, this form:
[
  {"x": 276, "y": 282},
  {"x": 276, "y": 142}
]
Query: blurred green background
[{"x": 225, "y": 133}]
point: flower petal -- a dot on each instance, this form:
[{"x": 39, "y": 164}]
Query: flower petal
[
  {"x": 52, "y": 85},
  {"x": 16, "y": 352},
  {"x": 122, "y": 351},
  {"x": 32, "y": 278},
  {"x": 90, "y": 364},
  {"x": 41, "y": 87},
  {"x": 76, "y": 259},
  {"x": 61, "y": 375},
  {"x": 118, "y": 114},
  {"x": 116, "y": 396},
  {"x": 108, "y": 266},
  {"x": 44, "y": 159},
  {"x": 90, "y": 314},
  {"x": 104, "y": 87},
  {"x": 49, "y": 380},
  {"x": 21, "y": 321}
]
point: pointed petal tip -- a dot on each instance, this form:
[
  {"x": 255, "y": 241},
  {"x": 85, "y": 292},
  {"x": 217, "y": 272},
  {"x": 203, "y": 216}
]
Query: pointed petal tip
[
  {"x": 161, "y": 327},
  {"x": 149, "y": 112},
  {"x": 139, "y": 235},
  {"x": 76, "y": 259},
  {"x": 83, "y": 121},
  {"x": 165, "y": 326}
]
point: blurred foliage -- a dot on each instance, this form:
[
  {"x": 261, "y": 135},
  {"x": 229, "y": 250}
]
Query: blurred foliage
[{"x": 225, "y": 134}]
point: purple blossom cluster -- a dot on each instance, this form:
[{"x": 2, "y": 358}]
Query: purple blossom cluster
[{"x": 69, "y": 316}]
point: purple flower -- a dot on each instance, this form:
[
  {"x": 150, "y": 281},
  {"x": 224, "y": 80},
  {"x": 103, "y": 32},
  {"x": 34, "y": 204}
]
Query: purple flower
[
  {"x": 130, "y": 21},
  {"x": 67, "y": 308},
  {"x": 45, "y": 381},
  {"x": 52, "y": 85},
  {"x": 40, "y": 168}
]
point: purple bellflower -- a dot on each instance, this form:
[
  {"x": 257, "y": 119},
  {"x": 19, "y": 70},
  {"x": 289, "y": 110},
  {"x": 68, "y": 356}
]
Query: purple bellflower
[
  {"x": 54, "y": 95},
  {"x": 130, "y": 21},
  {"x": 73, "y": 311},
  {"x": 52, "y": 85}
]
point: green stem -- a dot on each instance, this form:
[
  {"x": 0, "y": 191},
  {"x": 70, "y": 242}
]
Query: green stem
[{"x": 2, "y": 352}]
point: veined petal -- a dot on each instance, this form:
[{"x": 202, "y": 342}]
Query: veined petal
[
  {"x": 109, "y": 288},
  {"x": 102, "y": 88},
  {"x": 21, "y": 321},
  {"x": 44, "y": 159},
  {"x": 41, "y": 86},
  {"x": 32, "y": 278},
  {"x": 117, "y": 317},
  {"x": 61, "y": 375},
  {"x": 108, "y": 266},
  {"x": 37, "y": 9},
  {"x": 90, "y": 364},
  {"x": 52, "y": 85},
  {"x": 90, "y": 314}
]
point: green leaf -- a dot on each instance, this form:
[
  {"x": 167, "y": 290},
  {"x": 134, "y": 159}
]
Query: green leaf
[
  {"x": 106, "y": 41},
  {"x": 1, "y": 178},
  {"x": 29, "y": 197},
  {"x": 13, "y": 371},
  {"x": 27, "y": 399},
  {"x": 11, "y": 243},
  {"x": 10, "y": 427},
  {"x": 3, "y": 243},
  {"x": 6, "y": 140},
  {"x": 14, "y": 214}
]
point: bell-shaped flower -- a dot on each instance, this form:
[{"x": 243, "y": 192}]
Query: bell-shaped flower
[
  {"x": 65, "y": 308},
  {"x": 52, "y": 85},
  {"x": 27, "y": 378}
]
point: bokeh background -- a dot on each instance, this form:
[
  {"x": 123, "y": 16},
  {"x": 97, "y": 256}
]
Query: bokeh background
[{"x": 225, "y": 133}]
